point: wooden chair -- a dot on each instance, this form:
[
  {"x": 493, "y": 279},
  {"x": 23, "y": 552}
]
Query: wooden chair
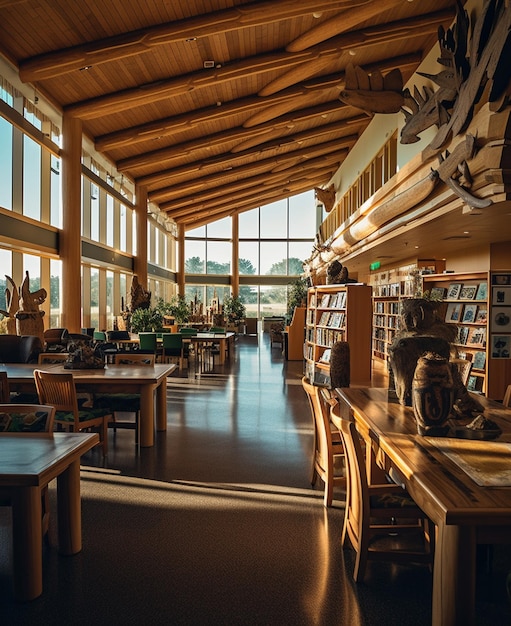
[
  {"x": 52, "y": 357},
  {"x": 507, "y": 397},
  {"x": 28, "y": 418},
  {"x": 377, "y": 511},
  {"x": 328, "y": 449},
  {"x": 173, "y": 349},
  {"x": 125, "y": 402},
  {"x": 5, "y": 394},
  {"x": 277, "y": 334},
  {"x": 59, "y": 390}
]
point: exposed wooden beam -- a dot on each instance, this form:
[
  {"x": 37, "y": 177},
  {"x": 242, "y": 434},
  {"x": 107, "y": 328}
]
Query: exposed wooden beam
[
  {"x": 189, "y": 194},
  {"x": 59, "y": 62},
  {"x": 162, "y": 156},
  {"x": 193, "y": 170},
  {"x": 145, "y": 94},
  {"x": 170, "y": 126},
  {"x": 196, "y": 200}
]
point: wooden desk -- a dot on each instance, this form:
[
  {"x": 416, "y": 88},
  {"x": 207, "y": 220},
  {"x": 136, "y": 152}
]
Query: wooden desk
[
  {"x": 141, "y": 379},
  {"x": 464, "y": 512},
  {"x": 28, "y": 462}
]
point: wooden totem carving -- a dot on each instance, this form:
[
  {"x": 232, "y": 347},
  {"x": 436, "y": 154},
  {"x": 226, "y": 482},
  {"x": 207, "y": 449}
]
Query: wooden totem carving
[
  {"x": 12, "y": 302},
  {"x": 29, "y": 319}
]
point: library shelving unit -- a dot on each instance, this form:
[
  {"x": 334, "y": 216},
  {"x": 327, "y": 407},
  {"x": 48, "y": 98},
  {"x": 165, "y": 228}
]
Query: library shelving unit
[
  {"x": 338, "y": 313},
  {"x": 465, "y": 303}
]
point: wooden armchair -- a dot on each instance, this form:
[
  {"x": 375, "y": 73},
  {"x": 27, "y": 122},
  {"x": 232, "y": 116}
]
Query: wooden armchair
[{"x": 378, "y": 512}]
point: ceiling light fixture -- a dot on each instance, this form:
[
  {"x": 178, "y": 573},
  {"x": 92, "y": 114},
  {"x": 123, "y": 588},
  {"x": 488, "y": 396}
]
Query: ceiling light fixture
[
  {"x": 85, "y": 68},
  {"x": 317, "y": 15},
  {"x": 209, "y": 64},
  {"x": 191, "y": 39}
]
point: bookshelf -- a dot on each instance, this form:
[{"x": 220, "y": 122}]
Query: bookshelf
[
  {"x": 465, "y": 303},
  {"x": 338, "y": 313}
]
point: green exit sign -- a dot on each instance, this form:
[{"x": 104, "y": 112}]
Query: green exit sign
[{"x": 375, "y": 266}]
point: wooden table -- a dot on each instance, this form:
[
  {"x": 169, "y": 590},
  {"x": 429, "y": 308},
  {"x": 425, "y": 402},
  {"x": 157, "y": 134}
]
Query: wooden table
[
  {"x": 142, "y": 379},
  {"x": 223, "y": 339},
  {"x": 464, "y": 512},
  {"x": 28, "y": 462}
]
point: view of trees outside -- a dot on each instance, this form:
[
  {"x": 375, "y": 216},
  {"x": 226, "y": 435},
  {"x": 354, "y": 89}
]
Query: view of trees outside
[{"x": 274, "y": 240}]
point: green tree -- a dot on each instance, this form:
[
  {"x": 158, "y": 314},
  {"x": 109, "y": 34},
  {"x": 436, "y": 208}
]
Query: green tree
[
  {"x": 194, "y": 265},
  {"x": 212, "y": 267},
  {"x": 246, "y": 267},
  {"x": 287, "y": 267}
]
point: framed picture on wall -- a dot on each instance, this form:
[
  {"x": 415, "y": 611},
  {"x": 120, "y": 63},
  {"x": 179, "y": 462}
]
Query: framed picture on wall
[
  {"x": 501, "y": 295},
  {"x": 501, "y": 346},
  {"x": 501, "y": 319}
]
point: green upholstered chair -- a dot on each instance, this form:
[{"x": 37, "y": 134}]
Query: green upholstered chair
[
  {"x": 59, "y": 390},
  {"x": 173, "y": 349},
  {"x": 125, "y": 402}
]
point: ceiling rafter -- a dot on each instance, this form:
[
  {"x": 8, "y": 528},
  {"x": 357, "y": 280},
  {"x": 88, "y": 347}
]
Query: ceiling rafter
[{"x": 147, "y": 93}]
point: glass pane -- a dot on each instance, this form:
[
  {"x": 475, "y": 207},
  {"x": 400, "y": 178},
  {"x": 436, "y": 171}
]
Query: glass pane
[
  {"x": 273, "y": 300},
  {"x": 195, "y": 256},
  {"x": 195, "y": 293},
  {"x": 6, "y": 264},
  {"x": 249, "y": 296},
  {"x": 197, "y": 232},
  {"x": 110, "y": 306},
  {"x": 220, "y": 228},
  {"x": 5, "y": 164},
  {"x": 274, "y": 220},
  {"x": 274, "y": 257},
  {"x": 55, "y": 282},
  {"x": 31, "y": 178},
  {"x": 94, "y": 297},
  {"x": 302, "y": 215},
  {"x": 94, "y": 212},
  {"x": 110, "y": 221},
  {"x": 55, "y": 195},
  {"x": 32, "y": 265},
  {"x": 219, "y": 255},
  {"x": 298, "y": 252},
  {"x": 123, "y": 229},
  {"x": 248, "y": 257},
  {"x": 249, "y": 224}
]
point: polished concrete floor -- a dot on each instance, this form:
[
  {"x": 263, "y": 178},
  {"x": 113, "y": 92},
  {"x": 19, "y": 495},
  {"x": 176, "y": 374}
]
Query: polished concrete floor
[{"x": 218, "y": 523}]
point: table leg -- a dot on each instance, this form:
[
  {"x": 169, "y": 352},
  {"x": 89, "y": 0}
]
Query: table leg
[
  {"x": 69, "y": 509},
  {"x": 27, "y": 543},
  {"x": 147, "y": 416},
  {"x": 161, "y": 406},
  {"x": 454, "y": 576}
]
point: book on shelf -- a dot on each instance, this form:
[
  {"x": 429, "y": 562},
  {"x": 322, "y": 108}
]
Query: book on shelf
[
  {"x": 325, "y": 357},
  {"x": 325, "y": 300},
  {"x": 476, "y": 336},
  {"x": 453, "y": 291},
  {"x": 482, "y": 315},
  {"x": 339, "y": 301},
  {"x": 438, "y": 293},
  {"x": 468, "y": 292},
  {"x": 479, "y": 360},
  {"x": 453, "y": 313},
  {"x": 469, "y": 313},
  {"x": 482, "y": 291},
  {"x": 462, "y": 335}
]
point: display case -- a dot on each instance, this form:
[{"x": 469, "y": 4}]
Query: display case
[{"x": 338, "y": 313}]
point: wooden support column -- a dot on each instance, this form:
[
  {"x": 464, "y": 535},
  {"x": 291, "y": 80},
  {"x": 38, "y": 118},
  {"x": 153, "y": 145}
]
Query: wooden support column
[
  {"x": 140, "y": 261},
  {"x": 235, "y": 273},
  {"x": 70, "y": 243},
  {"x": 181, "y": 260}
]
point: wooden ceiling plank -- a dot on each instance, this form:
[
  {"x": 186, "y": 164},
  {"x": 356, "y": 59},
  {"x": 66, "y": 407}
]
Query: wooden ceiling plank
[
  {"x": 59, "y": 62},
  {"x": 147, "y": 93}
]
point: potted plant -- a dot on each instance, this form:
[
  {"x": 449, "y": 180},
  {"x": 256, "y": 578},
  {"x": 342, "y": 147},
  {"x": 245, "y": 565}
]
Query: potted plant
[
  {"x": 179, "y": 309},
  {"x": 234, "y": 311},
  {"x": 297, "y": 296},
  {"x": 146, "y": 320}
]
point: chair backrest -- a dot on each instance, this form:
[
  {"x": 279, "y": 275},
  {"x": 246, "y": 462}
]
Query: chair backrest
[
  {"x": 147, "y": 341},
  {"x": 173, "y": 341},
  {"x": 19, "y": 349},
  {"x": 57, "y": 390},
  {"x": 217, "y": 329},
  {"x": 55, "y": 336},
  {"x": 5, "y": 394},
  {"x": 188, "y": 331},
  {"x": 320, "y": 410},
  {"x": 117, "y": 335},
  {"x": 51, "y": 357},
  {"x": 131, "y": 358},
  {"x": 507, "y": 397},
  {"x": 357, "y": 500},
  {"x": 26, "y": 418},
  {"x": 99, "y": 335}
]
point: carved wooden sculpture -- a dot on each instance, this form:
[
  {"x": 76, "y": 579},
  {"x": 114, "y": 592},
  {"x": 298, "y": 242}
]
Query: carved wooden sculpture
[
  {"x": 326, "y": 197},
  {"x": 373, "y": 92},
  {"x": 140, "y": 297},
  {"x": 29, "y": 319},
  {"x": 12, "y": 300}
]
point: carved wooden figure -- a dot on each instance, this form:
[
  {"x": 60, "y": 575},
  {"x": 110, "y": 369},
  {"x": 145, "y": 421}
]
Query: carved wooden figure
[{"x": 29, "y": 319}]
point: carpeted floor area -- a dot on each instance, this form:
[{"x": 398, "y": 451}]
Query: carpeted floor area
[{"x": 218, "y": 524}]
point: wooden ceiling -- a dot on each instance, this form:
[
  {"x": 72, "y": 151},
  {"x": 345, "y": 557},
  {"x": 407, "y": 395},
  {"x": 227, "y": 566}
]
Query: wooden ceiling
[{"x": 216, "y": 106}]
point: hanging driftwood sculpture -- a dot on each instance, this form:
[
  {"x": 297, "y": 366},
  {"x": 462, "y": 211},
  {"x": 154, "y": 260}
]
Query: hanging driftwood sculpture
[
  {"x": 373, "y": 93},
  {"x": 29, "y": 319},
  {"x": 326, "y": 197},
  {"x": 12, "y": 301}
]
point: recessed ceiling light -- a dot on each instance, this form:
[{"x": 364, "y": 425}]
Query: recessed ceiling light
[
  {"x": 191, "y": 39},
  {"x": 317, "y": 14},
  {"x": 85, "y": 68},
  {"x": 352, "y": 53}
]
